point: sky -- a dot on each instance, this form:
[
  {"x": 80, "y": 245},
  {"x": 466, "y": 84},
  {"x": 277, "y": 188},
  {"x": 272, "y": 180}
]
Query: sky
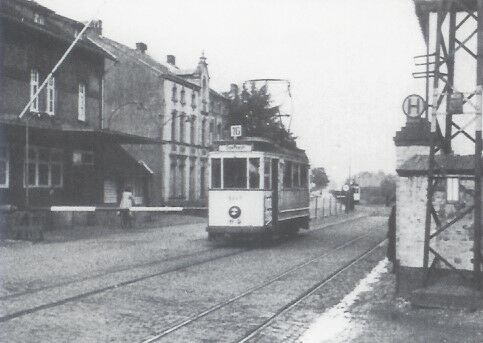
[{"x": 349, "y": 63}]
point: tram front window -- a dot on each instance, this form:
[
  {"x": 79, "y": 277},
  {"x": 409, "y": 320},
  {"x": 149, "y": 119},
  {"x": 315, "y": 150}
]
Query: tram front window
[
  {"x": 215, "y": 173},
  {"x": 234, "y": 173},
  {"x": 254, "y": 170}
]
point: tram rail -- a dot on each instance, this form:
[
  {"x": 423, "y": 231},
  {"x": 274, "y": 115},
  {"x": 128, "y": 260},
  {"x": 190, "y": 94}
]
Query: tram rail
[
  {"x": 130, "y": 281},
  {"x": 251, "y": 290}
]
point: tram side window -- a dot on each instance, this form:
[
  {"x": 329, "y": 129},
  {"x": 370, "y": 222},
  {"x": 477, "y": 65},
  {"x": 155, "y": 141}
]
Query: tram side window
[
  {"x": 215, "y": 173},
  {"x": 268, "y": 174},
  {"x": 287, "y": 175},
  {"x": 303, "y": 176},
  {"x": 296, "y": 180},
  {"x": 254, "y": 172},
  {"x": 235, "y": 173}
]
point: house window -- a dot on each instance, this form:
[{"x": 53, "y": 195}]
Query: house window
[
  {"x": 38, "y": 19},
  {"x": 218, "y": 131},
  {"x": 192, "y": 132},
  {"x": 193, "y": 100},
  {"x": 172, "y": 177},
  {"x": 182, "y": 179},
  {"x": 4, "y": 166},
  {"x": 34, "y": 87},
  {"x": 203, "y": 132},
  {"x": 212, "y": 130},
  {"x": 174, "y": 95},
  {"x": 80, "y": 157},
  {"x": 202, "y": 181},
  {"x": 183, "y": 96},
  {"x": 82, "y": 102},
  {"x": 110, "y": 192},
  {"x": 45, "y": 168},
  {"x": 452, "y": 189},
  {"x": 181, "y": 127},
  {"x": 51, "y": 96},
  {"x": 173, "y": 126}
]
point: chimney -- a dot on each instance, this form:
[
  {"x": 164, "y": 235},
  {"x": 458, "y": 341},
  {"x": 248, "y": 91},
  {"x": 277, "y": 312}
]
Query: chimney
[
  {"x": 141, "y": 47},
  {"x": 96, "y": 27},
  {"x": 171, "y": 59},
  {"x": 233, "y": 91}
]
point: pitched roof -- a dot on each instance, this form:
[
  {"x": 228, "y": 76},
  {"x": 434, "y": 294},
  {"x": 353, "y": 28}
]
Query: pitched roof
[
  {"x": 55, "y": 25},
  {"x": 119, "y": 50}
]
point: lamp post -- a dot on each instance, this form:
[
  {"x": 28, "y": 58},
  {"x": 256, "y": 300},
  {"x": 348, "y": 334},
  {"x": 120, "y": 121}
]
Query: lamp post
[{"x": 114, "y": 112}]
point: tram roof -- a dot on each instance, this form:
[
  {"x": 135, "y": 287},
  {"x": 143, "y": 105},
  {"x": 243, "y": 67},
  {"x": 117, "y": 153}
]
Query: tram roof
[
  {"x": 266, "y": 145},
  {"x": 424, "y": 7}
]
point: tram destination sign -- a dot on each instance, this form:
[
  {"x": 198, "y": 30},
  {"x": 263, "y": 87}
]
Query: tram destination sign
[
  {"x": 236, "y": 131},
  {"x": 235, "y": 147}
]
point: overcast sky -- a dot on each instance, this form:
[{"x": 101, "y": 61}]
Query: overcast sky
[{"x": 349, "y": 62}]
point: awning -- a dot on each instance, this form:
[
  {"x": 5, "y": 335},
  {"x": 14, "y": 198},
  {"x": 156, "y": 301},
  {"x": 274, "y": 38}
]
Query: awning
[{"x": 45, "y": 128}]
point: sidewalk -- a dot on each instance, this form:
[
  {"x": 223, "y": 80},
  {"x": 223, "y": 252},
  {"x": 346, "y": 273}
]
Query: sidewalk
[
  {"x": 66, "y": 254},
  {"x": 77, "y": 232},
  {"x": 372, "y": 313}
]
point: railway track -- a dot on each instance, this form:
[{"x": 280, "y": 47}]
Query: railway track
[
  {"x": 130, "y": 281},
  {"x": 246, "y": 293},
  {"x": 138, "y": 265},
  {"x": 256, "y": 331}
]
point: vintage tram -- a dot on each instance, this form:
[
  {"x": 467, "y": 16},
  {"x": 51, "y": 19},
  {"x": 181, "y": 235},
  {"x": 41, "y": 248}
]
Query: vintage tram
[{"x": 257, "y": 187}]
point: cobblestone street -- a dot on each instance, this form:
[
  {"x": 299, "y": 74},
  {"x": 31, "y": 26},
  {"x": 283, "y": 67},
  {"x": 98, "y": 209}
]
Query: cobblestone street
[{"x": 132, "y": 286}]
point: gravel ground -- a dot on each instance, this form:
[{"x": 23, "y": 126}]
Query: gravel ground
[{"x": 138, "y": 310}]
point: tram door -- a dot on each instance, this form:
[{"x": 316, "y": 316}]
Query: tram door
[{"x": 275, "y": 192}]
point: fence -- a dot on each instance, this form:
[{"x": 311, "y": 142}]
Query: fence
[{"x": 325, "y": 206}]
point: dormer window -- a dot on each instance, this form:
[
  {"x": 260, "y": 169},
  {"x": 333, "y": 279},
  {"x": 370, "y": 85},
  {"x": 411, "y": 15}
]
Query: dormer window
[{"x": 39, "y": 19}]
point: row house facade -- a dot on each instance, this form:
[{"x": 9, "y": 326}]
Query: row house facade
[
  {"x": 173, "y": 106},
  {"x": 69, "y": 154}
]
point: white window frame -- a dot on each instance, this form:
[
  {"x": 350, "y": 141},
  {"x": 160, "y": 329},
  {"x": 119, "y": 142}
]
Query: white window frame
[
  {"x": 36, "y": 162},
  {"x": 34, "y": 86},
  {"x": 6, "y": 159},
  {"x": 50, "y": 103},
  {"x": 452, "y": 189},
  {"x": 81, "y": 110}
]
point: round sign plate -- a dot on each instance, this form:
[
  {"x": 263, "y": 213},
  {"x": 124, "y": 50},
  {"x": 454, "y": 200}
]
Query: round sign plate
[
  {"x": 234, "y": 212},
  {"x": 413, "y": 106},
  {"x": 345, "y": 188}
]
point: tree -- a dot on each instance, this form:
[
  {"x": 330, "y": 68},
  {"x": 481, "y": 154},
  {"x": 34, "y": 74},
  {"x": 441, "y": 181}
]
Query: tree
[
  {"x": 253, "y": 110},
  {"x": 319, "y": 178}
]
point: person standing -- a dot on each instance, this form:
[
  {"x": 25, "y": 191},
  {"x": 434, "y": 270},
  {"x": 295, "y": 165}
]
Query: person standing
[{"x": 127, "y": 201}]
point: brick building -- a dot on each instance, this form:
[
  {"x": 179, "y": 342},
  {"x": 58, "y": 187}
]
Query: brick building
[
  {"x": 172, "y": 105},
  {"x": 70, "y": 157}
]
